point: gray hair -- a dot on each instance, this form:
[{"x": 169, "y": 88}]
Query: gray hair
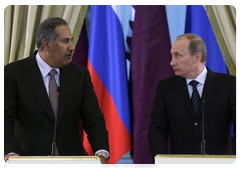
[{"x": 47, "y": 30}]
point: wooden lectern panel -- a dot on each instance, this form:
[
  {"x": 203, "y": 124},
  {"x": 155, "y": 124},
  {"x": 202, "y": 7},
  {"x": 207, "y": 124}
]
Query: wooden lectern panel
[
  {"x": 53, "y": 162},
  {"x": 194, "y": 159}
]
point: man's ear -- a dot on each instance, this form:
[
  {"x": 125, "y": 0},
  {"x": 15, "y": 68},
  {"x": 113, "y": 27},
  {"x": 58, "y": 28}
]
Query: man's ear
[
  {"x": 45, "y": 44},
  {"x": 198, "y": 56}
]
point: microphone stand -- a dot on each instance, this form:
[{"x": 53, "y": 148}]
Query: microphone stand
[
  {"x": 203, "y": 140},
  {"x": 54, "y": 145},
  {"x": 54, "y": 139}
]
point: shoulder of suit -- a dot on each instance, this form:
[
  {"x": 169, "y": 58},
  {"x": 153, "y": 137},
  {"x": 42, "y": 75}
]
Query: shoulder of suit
[
  {"x": 22, "y": 61},
  {"x": 16, "y": 64},
  {"x": 78, "y": 67},
  {"x": 225, "y": 76},
  {"x": 170, "y": 80},
  {"x": 221, "y": 75}
]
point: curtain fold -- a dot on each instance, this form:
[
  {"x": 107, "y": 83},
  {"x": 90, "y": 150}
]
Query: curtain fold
[
  {"x": 30, "y": 37},
  {"x": 21, "y": 22},
  {"x": 7, "y": 33},
  {"x": 79, "y": 23},
  {"x": 223, "y": 20}
]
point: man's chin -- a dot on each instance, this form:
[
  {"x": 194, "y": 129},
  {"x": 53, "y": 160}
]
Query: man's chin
[
  {"x": 67, "y": 62},
  {"x": 176, "y": 73}
]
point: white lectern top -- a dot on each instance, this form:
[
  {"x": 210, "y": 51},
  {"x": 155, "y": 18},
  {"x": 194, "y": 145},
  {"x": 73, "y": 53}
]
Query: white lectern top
[
  {"x": 194, "y": 159},
  {"x": 54, "y": 162}
]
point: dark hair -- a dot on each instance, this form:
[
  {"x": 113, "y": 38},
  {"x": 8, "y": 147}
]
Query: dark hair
[
  {"x": 47, "y": 30},
  {"x": 196, "y": 44}
]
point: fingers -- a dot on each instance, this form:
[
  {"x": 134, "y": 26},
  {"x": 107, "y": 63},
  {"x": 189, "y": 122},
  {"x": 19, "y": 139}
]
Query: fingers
[
  {"x": 6, "y": 158},
  {"x": 103, "y": 160}
]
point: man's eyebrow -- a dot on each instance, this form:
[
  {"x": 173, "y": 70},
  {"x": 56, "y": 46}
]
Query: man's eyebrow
[
  {"x": 174, "y": 52},
  {"x": 68, "y": 38}
]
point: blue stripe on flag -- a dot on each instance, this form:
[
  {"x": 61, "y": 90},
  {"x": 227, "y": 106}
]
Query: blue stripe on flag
[{"x": 197, "y": 22}]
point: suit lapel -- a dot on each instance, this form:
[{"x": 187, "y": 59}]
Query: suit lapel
[
  {"x": 32, "y": 76},
  {"x": 67, "y": 77},
  {"x": 183, "y": 94},
  {"x": 209, "y": 88}
]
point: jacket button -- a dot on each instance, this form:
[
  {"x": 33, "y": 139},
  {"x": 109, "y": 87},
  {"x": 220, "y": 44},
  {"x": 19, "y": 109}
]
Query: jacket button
[{"x": 196, "y": 123}]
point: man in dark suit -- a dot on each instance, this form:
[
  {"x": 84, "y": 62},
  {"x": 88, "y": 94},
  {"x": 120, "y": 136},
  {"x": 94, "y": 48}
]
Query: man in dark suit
[
  {"x": 175, "y": 116},
  {"x": 28, "y": 113}
]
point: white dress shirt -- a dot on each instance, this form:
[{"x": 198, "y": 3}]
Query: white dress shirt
[{"x": 201, "y": 80}]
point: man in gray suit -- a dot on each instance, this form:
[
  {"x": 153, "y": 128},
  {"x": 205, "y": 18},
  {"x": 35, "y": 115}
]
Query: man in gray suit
[
  {"x": 178, "y": 113},
  {"x": 29, "y": 118}
]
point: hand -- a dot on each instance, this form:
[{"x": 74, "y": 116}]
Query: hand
[
  {"x": 103, "y": 160},
  {"x": 7, "y": 156}
]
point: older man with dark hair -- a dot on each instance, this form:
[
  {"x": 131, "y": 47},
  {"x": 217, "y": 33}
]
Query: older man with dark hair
[{"x": 45, "y": 94}]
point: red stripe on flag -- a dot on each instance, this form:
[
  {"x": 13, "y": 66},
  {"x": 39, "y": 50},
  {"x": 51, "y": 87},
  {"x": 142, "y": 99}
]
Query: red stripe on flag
[{"x": 119, "y": 137}]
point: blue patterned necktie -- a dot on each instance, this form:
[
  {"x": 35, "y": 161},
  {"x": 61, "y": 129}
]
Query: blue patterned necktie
[{"x": 195, "y": 96}]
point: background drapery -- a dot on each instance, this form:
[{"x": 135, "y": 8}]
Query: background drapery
[
  {"x": 223, "y": 20},
  {"x": 21, "y": 23}
]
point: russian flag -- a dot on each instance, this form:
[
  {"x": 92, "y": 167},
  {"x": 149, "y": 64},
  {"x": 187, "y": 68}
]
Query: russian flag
[{"x": 107, "y": 66}]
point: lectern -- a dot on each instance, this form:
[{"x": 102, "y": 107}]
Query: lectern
[
  {"x": 18, "y": 161},
  {"x": 194, "y": 159}
]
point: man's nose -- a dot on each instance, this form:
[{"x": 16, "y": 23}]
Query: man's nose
[
  {"x": 172, "y": 63},
  {"x": 71, "y": 47}
]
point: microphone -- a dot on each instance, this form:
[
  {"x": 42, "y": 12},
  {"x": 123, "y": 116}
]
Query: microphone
[
  {"x": 203, "y": 140},
  {"x": 54, "y": 145}
]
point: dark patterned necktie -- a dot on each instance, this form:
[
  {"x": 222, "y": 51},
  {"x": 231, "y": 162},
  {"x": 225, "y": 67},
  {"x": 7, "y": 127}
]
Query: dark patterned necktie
[
  {"x": 195, "y": 96},
  {"x": 53, "y": 96}
]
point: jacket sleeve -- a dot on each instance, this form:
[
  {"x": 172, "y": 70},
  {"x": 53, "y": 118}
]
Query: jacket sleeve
[
  {"x": 158, "y": 130},
  {"x": 10, "y": 109},
  {"x": 92, "y": 117}
]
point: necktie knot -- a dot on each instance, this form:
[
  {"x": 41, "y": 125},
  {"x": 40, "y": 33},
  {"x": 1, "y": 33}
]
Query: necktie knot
[
  {"x": 193, "y": 83},
  {"x": 52, "y": 73}
]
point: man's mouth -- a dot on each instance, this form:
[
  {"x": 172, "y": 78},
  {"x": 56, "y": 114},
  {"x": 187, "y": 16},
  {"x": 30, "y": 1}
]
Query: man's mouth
[{"x": 69, "y": 55}]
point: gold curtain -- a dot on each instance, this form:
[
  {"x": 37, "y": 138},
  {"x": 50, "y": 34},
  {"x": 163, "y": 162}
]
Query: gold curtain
[
  {"x": 21, "y": 22},
  {"x": 223, "y": 20}
]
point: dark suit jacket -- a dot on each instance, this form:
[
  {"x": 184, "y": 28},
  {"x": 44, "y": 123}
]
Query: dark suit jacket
[
  {"x": 29, "y": 119},
  {"x": 172, "y": 114}
]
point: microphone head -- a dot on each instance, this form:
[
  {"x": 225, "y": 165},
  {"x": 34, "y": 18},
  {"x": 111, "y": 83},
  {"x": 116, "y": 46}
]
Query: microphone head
[{"x": 203, "y": 98}]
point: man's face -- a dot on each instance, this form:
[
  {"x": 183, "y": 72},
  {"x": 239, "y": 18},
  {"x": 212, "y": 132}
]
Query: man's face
[
  {"x": 182, "y": 62},
  {"x": 60, "y": 52}
]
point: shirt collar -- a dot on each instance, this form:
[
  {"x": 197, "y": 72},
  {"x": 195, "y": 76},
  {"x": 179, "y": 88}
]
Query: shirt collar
[
  {"x": 200, "y": 78},
  {"x": 43, "y": 66}
]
